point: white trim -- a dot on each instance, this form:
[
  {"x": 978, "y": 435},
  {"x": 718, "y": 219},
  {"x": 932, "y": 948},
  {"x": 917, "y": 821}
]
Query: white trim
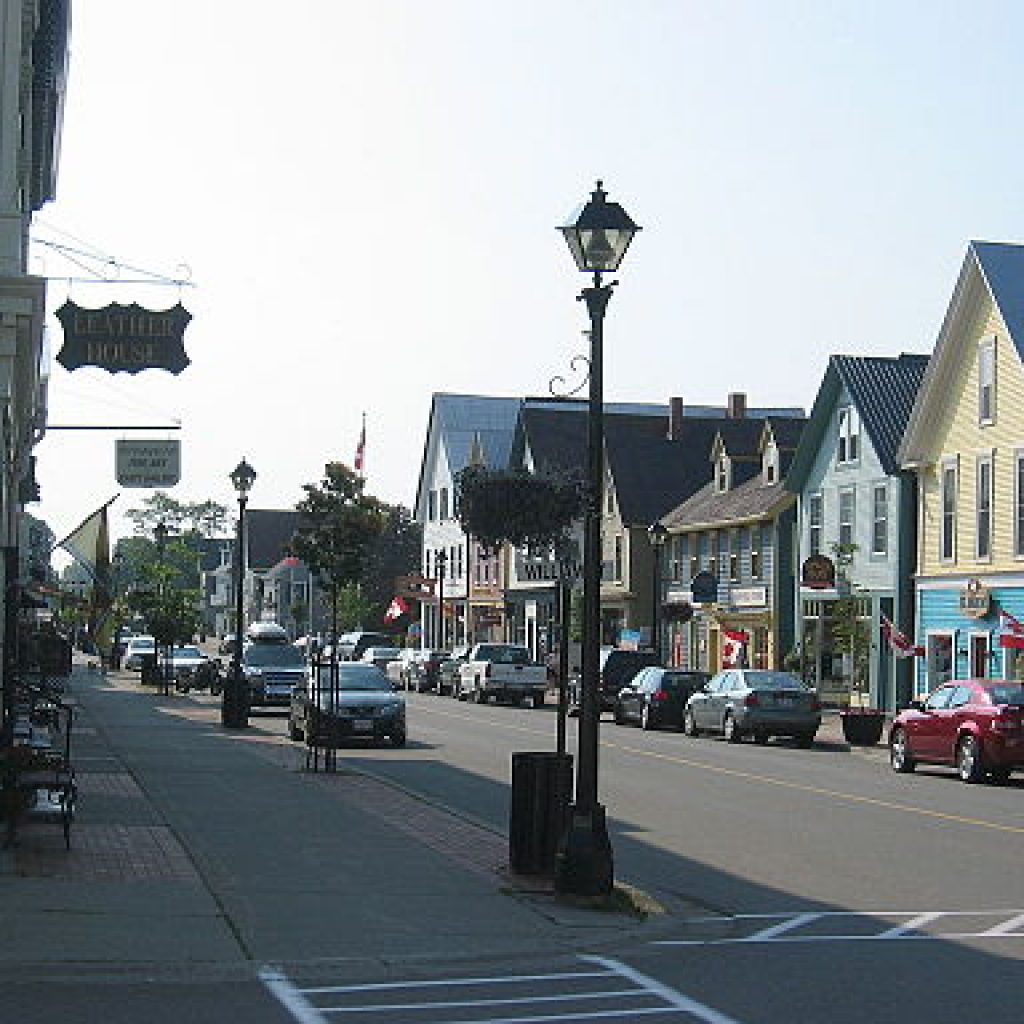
[
  {"x": 987, "y": 344},
  {"x": 947, "y": 463},
  {"x": 979, "y": 462}
]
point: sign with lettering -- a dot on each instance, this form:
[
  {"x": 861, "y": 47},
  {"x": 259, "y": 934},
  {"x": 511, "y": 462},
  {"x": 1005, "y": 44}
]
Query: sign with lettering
[
  {"x": 975, "y": 599},
  {"x": 148, "y": 463},
  {"x": 123, "y": 339}
]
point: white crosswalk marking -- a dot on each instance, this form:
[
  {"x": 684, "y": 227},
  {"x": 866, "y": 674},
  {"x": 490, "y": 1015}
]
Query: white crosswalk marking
[
  {"x": 616, "y": 991},
  {"x": 856, "y": 926}
]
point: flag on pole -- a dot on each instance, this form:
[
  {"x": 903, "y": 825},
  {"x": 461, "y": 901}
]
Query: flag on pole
[
  {"x": 396, "y": 609},
  {"x": 1011, "y": 630},
  {"x": 89, "y": 545},
  {"x": 361, "y": 448},
  {"x": 900, "y": 644},
  {"x": 734, "y": 647}
]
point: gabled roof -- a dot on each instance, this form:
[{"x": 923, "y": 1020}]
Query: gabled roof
[
  {"x": 883, "y": 390},
  {"x": 748, "y": 502},
  {"x": 468, "y": 428},
  {"x": 992, "y": 269},
  {"x": 268, "y": 532}
]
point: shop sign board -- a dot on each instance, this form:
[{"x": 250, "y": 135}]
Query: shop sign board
[
  {"x": 975, "y": 599},
  {"x": 704, "y": 588},
  {"x": 123, "y": 339},
  {"x": 818, "y": 573},
  {"x": 148, "y": 463},
  {"x": 749, "y": 597}
]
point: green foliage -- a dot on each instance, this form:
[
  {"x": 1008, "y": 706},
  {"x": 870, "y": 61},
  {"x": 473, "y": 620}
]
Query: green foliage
[
  {"x": 170, "y": 611},
  {"x": 396, "y": 552},
  {"x": 202, "y": 518},
  {"x": 850, "y": 632},
  {"x": 516, "y": 507},
  {"x": 341, "y": 525}
]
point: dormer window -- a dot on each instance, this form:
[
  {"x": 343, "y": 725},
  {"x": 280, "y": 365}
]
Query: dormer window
[
  {"x": 848, "y": 448},
  {"x": 987, "y": 380},
  {"x": 770, "y": 464},
  {"x": 723, "y": 473}
]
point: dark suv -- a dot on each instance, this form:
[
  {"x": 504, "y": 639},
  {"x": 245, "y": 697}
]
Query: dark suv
[{"x": 616, "y": 667}]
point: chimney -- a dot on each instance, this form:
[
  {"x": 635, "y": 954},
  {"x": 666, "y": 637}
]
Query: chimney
[
  {"x": 737, "y": 405},
  {"x": 675, "y": 419}
]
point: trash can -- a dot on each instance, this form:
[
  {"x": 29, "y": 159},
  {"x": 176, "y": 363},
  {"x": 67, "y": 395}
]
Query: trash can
[
  {"x": 541, "y": 793},
  {"x": 149, "y": 675},
  {"x": 234, "y": 705}
]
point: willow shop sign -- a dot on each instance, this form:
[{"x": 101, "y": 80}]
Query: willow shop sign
[{"x": 124, "y": 339}]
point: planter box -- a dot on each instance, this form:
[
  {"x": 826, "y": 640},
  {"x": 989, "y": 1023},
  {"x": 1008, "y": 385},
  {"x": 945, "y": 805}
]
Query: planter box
[{"x": 863, "y": 728}]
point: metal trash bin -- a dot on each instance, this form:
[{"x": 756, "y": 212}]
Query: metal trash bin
[
  {"x": 234, "y": 705},
  {"x": 541, "y": 793},
  {"x": 149, "y": 676}
]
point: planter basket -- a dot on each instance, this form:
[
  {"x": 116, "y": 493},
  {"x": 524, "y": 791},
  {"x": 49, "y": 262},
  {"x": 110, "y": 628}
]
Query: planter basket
[{"x": 862, "y": 727}]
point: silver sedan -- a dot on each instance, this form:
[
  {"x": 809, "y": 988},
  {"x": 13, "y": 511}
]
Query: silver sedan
[{"x": 754, "y": 702}]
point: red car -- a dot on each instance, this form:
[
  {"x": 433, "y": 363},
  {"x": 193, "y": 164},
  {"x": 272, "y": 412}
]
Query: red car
[{"x": 975, "y": 725}]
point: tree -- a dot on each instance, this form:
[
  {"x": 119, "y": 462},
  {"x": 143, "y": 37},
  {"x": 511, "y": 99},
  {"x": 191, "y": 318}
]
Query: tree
[
  {"x": 341, "y": 523},
  {"x": 396, "y": 552},
  {"x": 202, "y": 518},
  {"x": 850, "y": 632}
]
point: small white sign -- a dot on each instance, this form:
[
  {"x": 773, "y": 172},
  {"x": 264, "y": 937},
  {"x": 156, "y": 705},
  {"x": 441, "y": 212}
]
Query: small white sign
[{"x": 148, "y": 463}]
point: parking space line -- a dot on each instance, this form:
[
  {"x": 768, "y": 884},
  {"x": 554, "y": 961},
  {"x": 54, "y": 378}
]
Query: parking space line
[
  {"x": 780, "y": 929},
  {"x": 1010, "y": 927},
  {"x": 915, "y": 924},
  {"x": 302, "y": 1011}
]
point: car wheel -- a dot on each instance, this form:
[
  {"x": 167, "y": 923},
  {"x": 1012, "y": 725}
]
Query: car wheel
[
  {"x": 398, "y": 739},
  {"x": 730, "y": 730},
  {"x": 478, "y": 695},
  {"x": 646, "y": 721},
  {"x": 760, "y": 737},
  {"x": 899, "y": 753},
  {"x": 538, "y": 699},
  {"x": 618, "y": 716},
  {"x": 294, "y": 732},
  {"x": 690, "y": 724},
  {"x": 805, "y": 740},
  {"x": 1000, "y": 776},
  {"x": 969, "y": 764}
]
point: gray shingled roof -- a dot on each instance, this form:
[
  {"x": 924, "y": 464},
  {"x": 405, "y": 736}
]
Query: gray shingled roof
[
  {"x": 1002, "y": 265},
  {"x": 749, "y": 501}
]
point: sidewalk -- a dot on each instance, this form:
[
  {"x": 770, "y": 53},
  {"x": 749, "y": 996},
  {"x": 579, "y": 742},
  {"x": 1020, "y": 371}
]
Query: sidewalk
[{"x": 193, "y": 845}]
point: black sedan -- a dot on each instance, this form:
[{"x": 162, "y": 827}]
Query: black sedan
[
  {"x": 657, "y": 696},
  {"x": 361, "y": 705}
]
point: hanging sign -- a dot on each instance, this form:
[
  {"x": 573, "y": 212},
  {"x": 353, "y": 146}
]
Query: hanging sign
[
  {"x": 123, "y": 339},
  {"x": 818, "y": 573},
  {"x": 704, "y": 588},
  {"x": 148, "y": 463},
  {"x": 975, "y": 599}
]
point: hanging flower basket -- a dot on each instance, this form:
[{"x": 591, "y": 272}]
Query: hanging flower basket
[{"x": 862, "y": 726}]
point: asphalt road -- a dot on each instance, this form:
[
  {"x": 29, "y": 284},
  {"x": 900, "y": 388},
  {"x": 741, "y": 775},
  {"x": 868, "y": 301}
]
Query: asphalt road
[{"x": 820, "y": 887}]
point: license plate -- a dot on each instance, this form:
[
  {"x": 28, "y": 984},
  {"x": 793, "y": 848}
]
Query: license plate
[{"x": 362, "y": 725}]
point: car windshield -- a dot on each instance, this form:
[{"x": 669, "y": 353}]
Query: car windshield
[
  {"x": 772, "y": 681},
  {"x": 1010, "y": 693},
  {"x": 683, "y": 680},
  {"x": 501, "y": 655},
  {"x": 360, "y": 677},
  {"x": 278, "y": 655}
]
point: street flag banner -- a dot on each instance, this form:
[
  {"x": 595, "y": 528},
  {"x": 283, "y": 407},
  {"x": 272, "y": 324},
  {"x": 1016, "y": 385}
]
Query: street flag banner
[
  {"x": 1011, "y": 630},
  {"x": 361, "y": 448},
  {"x": 898, "y": 642},
  {"x": 396, "y": 609},
  {"x": 89, "y": 545},
  {"x": 734, "y": 646}
]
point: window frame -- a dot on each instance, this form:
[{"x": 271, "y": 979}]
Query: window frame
[
  {"x": 850, "y": 493},
  {"x": 880, "y": 522},
  {"x": 987, "y": 353},
  {"x": 848, "y": 436},
  {"x": 983, "y": 506},
  {"x": 948, "y": 498},
  {"x": 1018, "y": 503},
  {"x": 815, "y": 524}
]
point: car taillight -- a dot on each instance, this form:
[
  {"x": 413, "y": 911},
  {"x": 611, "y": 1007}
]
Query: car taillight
[
  {"x": 659, "y": 695},
  {"x": 751, "y": 700}
]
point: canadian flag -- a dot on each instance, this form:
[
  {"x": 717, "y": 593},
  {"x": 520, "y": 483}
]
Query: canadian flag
[
  {"x": 734, "y": 646},
  {"x": 901, "y": 645},
  {"x": 396, "y": 609},
  {"x": 1011, "y": 630}
]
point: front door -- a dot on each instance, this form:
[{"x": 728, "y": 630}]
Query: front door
[{"x": 979, "y": 655}]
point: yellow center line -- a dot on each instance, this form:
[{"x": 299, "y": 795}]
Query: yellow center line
[{"x": 768, "y": 780}]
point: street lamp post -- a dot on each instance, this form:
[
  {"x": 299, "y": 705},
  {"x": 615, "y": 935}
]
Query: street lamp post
[
  {"x": 441, "y": 559},
  {"x": 234, "y": 709},
  {"x": 657, "y": 534},
  {"x": 598, "y": 235},
  {"x": 160, "y": 533}
]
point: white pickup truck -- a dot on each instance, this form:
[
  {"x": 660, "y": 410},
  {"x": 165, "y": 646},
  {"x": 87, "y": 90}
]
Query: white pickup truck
[{"x": 503, "y": 671}]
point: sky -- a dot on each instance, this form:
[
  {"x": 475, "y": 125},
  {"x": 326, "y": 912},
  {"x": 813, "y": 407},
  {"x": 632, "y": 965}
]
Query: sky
[{"x": 365, "y": 195}]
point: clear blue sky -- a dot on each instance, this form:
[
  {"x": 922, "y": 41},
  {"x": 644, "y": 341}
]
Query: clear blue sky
[{"x": 366, "y": 193}]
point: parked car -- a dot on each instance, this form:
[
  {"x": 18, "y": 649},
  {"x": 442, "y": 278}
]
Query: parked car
[
  {"x": 138, "y": 649},
  {"x": 657, "y": 696},
  {"x": 272, "y": 669},
  {"x": 506, "y": 672},
  {"x": 352, "y": 645},
  {"x": 186, "y": 665},
  {"x": 448, "y": 672},
  {"x": 362, "y": 705},
  {"x": 754, "y": 702},
  {"x": 616, "y": 667},
  {"x": 397, "y": 669},
  {"x": 380, "y": 656},
  {"x": 975, "y": 725},
  {"x": 422, "y": 670}
]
